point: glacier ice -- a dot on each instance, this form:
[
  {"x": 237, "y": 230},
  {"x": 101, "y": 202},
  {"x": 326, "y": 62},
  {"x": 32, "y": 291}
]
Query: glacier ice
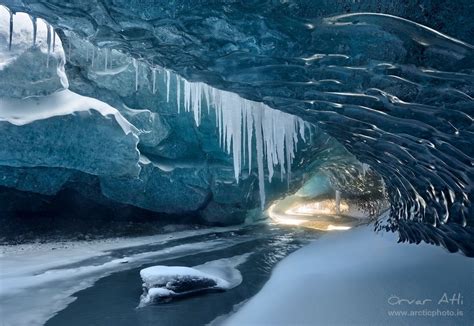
[
  {"x": 237, "y": 120},
  {"x": 168, "y": 168},
  {"x": 109, "y": 140},
  {"x": 168, "y": 188},
  {"x": 375, "y": 82}
]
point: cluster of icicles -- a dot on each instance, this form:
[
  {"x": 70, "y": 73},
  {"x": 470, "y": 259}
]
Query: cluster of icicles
[
  {"x": 243, "y": 125},
  {"x": 21, "y": 18},
  {"x": 239, "y": 121}
]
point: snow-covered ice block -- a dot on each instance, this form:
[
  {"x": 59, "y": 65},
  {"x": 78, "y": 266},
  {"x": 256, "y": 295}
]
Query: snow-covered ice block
[{"x": 162, "y": 283}]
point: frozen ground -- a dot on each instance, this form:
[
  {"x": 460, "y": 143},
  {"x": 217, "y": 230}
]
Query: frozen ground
[
  {"x": 38, "y": 280},
  {"x": 360, "y": 277}
]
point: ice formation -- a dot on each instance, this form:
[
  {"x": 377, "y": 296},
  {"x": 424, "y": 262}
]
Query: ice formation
[
  {"x": 24, "y": 29},
  {"x": 238, "y": 120},
  {"x": 243, "y": 125},
  {"x": 166, "y": 282}
]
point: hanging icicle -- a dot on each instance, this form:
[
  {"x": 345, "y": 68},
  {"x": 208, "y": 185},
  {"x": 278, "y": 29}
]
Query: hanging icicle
[
  {"x": 69, "y": 50},
  {"x": 10, "y": 39},
  {"x": 238, "y": 120},
  {"x": 48, "y": 41},
  {"x": 168, "y": 80},
  {"x": 93, "y": 57},
  {"x": 35, "y": 29},
  {"x": 153, "y": 71},
  {"x": 135, "y": 64},
  {"x": 243, "y": 127},
  {"x": 54, "y": 37},
  {"x": 178, "y": 93},
  {"x": 106, "y": 57}
]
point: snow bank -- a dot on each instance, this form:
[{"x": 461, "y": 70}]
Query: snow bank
[
  {"x": 363, "y": 278},
  {"x": 23, "y": 111}
]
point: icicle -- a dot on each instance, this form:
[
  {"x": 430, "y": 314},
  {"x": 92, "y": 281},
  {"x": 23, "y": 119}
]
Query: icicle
[
  {"x": 365, "y": 168},
  {"x": 153, "y": 72},
  {"x": 35, "y": 29},
  {"x": 135, "y": 64},
  {"x": 69, "y": 50},
  {"x": 106, "y": 58},
  {"x": 87, "y": 54},
  {"x": 54, "y": 38},
  {"x": 259, "y": 142},
  {"x": 244, "y": 132},
  {"x": 249, "y": 136},
  {"x": 178, "y": 93},
  {"x": 236, "y": 134},
  {"x": 48, "y": 41},
  {"x": 168, "y": 79},
  {"x": 93, "y": 57},
  {"x": 338, "y": 202},
  {"x": 11, "y": 32}
]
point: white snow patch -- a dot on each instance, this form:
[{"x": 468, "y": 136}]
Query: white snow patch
[
  {"x": 348, "y": 279},
  {"x": 23, "y": 111}
]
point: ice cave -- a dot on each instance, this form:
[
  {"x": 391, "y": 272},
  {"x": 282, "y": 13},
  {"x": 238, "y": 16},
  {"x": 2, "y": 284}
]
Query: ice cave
[{"x": 248, "y": 163}]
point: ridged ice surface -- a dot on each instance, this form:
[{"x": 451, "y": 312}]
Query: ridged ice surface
[{"x": 394, "y": 92}]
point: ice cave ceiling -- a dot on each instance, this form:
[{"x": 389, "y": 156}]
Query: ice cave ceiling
[{"x": 391, "y": 81}]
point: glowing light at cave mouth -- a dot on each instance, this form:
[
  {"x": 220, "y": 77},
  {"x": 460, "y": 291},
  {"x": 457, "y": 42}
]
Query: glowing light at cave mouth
[
  {"x": 312, "y": 221},
  {"x": 324, "y": 207}
]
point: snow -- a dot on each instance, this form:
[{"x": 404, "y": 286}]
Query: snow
[
  {"x": 55, "y": 275},
  {"x": 220, "y": 274},
  {"x": 225, "y": 269},
  {"x": 348, "y": 278},
  {"x": 23, "y": 111},
  {"x": 155, "y": 275}
]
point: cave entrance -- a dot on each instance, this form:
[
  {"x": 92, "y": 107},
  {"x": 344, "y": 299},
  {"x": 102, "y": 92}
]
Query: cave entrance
[{"x": 325, "y": 203}]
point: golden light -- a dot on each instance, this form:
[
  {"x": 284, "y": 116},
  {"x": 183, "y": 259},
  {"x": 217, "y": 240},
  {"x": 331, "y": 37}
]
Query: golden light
[
  {"x": 283, "y": 219},
  {"x": 338, "y": 227},
  {"x": 316, "y": 215},
  {"x": 325, "y": 207}
]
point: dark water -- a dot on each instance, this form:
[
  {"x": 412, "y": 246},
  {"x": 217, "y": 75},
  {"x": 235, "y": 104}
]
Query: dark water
[{"x": 113, "y": 299}]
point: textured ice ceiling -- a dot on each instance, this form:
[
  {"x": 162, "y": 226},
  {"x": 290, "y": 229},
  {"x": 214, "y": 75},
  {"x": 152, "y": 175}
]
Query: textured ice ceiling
[{"x": 396, "y": 93}]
